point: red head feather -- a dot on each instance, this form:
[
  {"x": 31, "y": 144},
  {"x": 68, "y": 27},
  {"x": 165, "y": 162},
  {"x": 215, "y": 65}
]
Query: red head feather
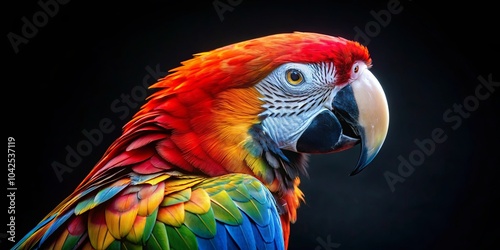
[{"x": 245, "y": 63}]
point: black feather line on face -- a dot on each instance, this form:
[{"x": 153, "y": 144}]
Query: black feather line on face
[{"x": 287, "y": 165}]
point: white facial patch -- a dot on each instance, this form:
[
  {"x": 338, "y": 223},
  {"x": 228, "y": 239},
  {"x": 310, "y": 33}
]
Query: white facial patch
[{"x": 290, "y": 107}]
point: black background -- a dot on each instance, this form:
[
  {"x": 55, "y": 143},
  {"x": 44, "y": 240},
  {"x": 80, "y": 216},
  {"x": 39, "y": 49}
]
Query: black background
[{"x": 428, "y": 59}]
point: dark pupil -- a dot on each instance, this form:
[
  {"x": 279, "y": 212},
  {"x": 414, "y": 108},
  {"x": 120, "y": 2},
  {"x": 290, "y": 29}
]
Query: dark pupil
[{"x": 294, "y": 75}]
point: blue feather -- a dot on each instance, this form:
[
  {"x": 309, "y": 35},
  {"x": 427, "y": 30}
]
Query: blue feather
[
  {"x": 242, "y": 234},
  {"x": 57, "y": 223},
  {"x": 108, "y": 192},
  {"x": 275, "y": 224},
  {"x": 219, "y": 242},
  {"x": 259, "y": 241},
  {"x": 102, "y": 196},
  {"x": 266, "y": 232}
]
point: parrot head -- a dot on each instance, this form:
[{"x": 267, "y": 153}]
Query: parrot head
[{"x": 326, "y": 106}]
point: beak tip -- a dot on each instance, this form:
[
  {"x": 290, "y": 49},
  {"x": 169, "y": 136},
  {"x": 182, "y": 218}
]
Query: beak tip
[
  {"x": 366, "y": 157},
  {"x": 360, "y": 166},
  {"x": 353, "y": 173}
]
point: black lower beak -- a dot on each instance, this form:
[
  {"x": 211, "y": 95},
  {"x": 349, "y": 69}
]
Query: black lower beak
[{"x": 325, "y": 135}]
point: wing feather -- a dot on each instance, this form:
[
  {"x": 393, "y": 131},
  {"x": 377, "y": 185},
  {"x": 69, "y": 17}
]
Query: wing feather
[{"x": 171, "y": 212}]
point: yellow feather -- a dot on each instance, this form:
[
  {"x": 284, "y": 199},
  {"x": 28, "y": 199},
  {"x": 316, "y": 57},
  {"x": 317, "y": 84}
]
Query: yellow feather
[
  {"x": 119, "y": 224},
  {"x": 172, "y": 215},
  {"x": 180, "y": 184},
  {"x": 120, "y": 215},
  {"x": 158, "y": 179},
  {"x": 199, "y": 202},
  {"x": 135, "y": 233},
  {"x": 99, "y": 235},
  {"x": 149, "y": 204}
]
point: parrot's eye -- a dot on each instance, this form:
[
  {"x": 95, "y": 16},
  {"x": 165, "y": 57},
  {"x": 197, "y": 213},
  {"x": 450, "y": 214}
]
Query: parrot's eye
[
  {"x": 294, "y": 76},
  {"x": 356, "y": 69}
]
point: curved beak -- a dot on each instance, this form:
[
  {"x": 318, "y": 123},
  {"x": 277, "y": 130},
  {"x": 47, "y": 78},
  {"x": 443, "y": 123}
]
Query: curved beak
[
  {"x": 359, "y": 114},
  {"x": 363, "y": 105}
]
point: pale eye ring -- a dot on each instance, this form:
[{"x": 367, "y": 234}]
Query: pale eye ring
[
  {"x": 294, "y": 76},
  {"x": 356, "y": 68}
]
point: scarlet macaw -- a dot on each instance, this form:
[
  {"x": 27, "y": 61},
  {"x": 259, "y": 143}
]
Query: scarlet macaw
[{"x": 213, "y": 159}]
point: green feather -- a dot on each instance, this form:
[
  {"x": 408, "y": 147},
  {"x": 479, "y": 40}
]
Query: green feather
[
  {"x": 256, "y": 190},
  {"x": 240, "y": 194},
  {"x": 150, "y": 223},
  {"x": 71, "y": 241},
  {"x": 181, "y": 237},
  {"x": 115, "y": 245},
  {"x": 258, "y": 212},
  {"x": 130, "y": 246},
  {"x": 202, "y": 225},
  {"x": 178, "y": 197},
  {"x": 158, "y": 238},
  {"x": 227, "y": 182},
  {"x": 212, "y": 190},
  {"x": 225, "y": 210}
]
